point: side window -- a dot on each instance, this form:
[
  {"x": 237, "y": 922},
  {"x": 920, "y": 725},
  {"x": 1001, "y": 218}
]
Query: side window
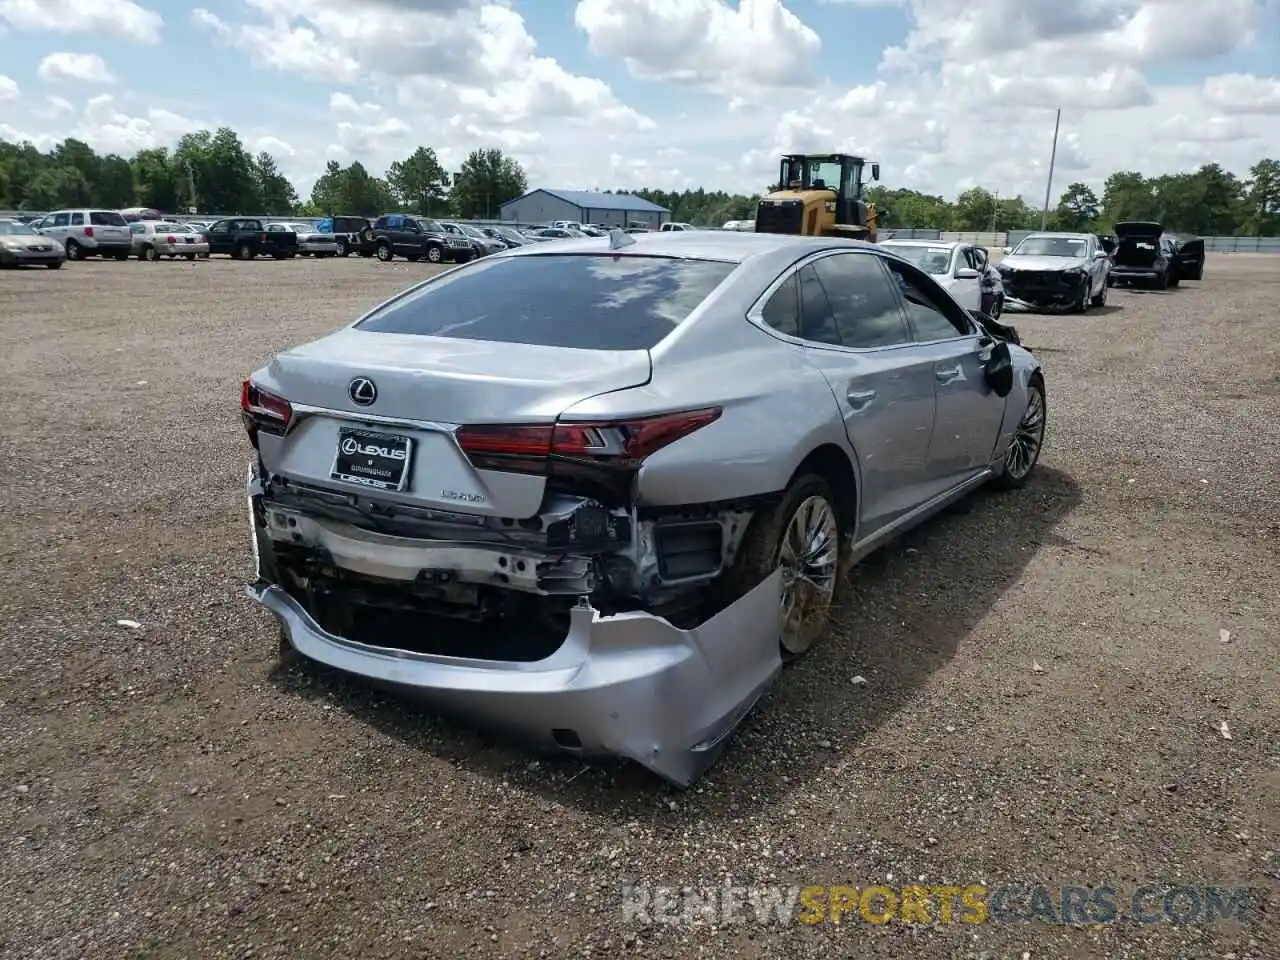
[
  {"x": 968, "y": 258},
  {"x": 979, "y": 258},
  {"x": 77, "y": 219},
  {"x": 862, "y": 301},
  {"x": 137, "y": 228},
  {"x": 61, "y": 219},
  {"x": 251, "y": 225},
  {"x": 932, "y": 314},
  {"x": 817, "y": 321},
  {"x": 221, "y": 227},
  {"x": 782, "y": 312}
]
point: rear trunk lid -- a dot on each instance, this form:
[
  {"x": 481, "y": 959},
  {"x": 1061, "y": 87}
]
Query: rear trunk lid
[
  {"x": 423, "y": 387},
  {"x": 1138, "y": 243}
]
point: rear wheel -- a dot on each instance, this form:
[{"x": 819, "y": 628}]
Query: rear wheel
[
  {"x": 384, "y": 252},
  {"x": 435, "y": 254},
  {"x": 149, "y": 254},
  {"x": 243, "y": 252},
  {"x": 804, "y": 538},
  {"x": 342, "y": 250},
  {"x": 73, "y": 251}
]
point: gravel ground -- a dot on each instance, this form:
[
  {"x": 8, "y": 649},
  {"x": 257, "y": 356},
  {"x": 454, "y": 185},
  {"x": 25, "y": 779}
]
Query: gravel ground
[{"x": 1045, "y": 675}]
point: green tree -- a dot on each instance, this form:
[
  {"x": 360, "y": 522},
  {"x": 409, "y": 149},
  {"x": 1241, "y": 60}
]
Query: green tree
[
  {"x": 488, "y": 179},
  {"x": 155, "y": 180},
  {"x": 274, "y": 189},
  {"x": 1263, "y": 199},
  {"x": 419, "y": 182},
  {"x": 1128, "y": 195},
  {"x": 975, "y": 209},
  {"x": 351, "y": 191},
  {"x": 1078, "y": 208},
  {"x": 114, "y": 187}
]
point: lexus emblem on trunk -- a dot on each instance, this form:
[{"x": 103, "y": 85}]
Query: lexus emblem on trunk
[{"x": 362, "y": 391}]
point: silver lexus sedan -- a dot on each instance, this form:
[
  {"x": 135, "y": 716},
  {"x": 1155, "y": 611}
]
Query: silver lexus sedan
[{"x": 598, "y": 491}]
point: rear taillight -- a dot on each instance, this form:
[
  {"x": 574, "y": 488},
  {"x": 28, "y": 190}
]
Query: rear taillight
[
  {"x": 263, "y": 411},
  {"x": 591, "y": 456},
  {"x": 263, "y": 238},
  {"x": 170, "y": 239},
  {"x": 88, "y": 231}
]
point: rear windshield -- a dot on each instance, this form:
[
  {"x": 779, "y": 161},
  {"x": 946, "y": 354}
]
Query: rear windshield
[
  {"x": 107, "y": 218},
  {"x": 586, "y": 302}
]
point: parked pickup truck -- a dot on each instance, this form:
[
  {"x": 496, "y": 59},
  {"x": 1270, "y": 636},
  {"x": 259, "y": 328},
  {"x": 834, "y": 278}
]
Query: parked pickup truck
[{"x": 244, "y": 239}]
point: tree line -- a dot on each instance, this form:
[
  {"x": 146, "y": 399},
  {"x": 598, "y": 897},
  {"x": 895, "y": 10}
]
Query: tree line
[{"x": 213, "y": 172}]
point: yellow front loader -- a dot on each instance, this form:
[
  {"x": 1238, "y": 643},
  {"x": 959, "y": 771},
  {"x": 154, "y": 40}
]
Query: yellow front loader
[{"x": 820, "y": 195}]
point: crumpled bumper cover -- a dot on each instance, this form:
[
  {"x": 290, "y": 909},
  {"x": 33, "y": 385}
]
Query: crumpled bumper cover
[{"x": 630, "y": 685}]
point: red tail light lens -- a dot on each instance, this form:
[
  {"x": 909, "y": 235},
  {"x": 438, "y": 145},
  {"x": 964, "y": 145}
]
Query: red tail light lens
[
  {"x": 263, "y": 411},
  {"x": 88, "y": 231},
  {"x": 170, "y": 239},
  {"x": 601, "y": 454}
]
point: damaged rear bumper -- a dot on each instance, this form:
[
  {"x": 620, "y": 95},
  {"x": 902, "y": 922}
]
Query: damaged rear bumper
[{"x": 629, "y": 685}]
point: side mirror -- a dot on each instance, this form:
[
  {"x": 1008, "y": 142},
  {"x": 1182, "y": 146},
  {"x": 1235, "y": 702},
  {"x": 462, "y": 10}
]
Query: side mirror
[
  {"x": 1101, "y": 255},
  {"x": 1006, "y": 250},
  {"x": 967, "y": 273},
  {"x": 999, "y": 370},
  {"x": 875, "y": 171}
]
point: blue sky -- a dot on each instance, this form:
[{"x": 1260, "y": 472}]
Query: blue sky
[{"x": 625, "y": 93}]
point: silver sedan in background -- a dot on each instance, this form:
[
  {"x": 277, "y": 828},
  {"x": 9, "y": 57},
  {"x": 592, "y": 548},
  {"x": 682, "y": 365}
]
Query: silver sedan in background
[
  {"x": 21, "y": 245},
  {"x": 153, "y": 239},
  {"x": 596, "y": 491},
  {"x": 311, "y": 242}
]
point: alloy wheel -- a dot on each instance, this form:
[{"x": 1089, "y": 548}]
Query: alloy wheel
[
  {"x": 808, "y": 555},
  {"x": 1024, "y": 449}
]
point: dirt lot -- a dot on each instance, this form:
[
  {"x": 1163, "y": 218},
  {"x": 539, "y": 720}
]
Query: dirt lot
[{"x": 1046, "y": 682}]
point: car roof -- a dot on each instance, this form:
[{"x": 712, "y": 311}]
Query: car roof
[
  {"x": 701, "y": 245},
  {"x": 920, "y": 242},
  {"x": 1058, "y": 233}
]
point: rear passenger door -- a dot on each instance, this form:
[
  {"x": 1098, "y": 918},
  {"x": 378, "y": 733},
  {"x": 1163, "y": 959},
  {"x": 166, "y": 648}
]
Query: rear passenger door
[
  {"x": 855, "y": 333},
  {"x": 969, "y": 415}
]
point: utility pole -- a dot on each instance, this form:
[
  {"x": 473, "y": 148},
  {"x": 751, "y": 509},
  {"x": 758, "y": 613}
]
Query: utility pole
[
  {"x": 995, "y": 208},
  {"x": 1053, "y": 156}
]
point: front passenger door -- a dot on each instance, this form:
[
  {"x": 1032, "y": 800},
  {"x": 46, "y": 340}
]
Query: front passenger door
[
  {"x": 220, "y": 237},
  {"x": 969, "y": 415}
]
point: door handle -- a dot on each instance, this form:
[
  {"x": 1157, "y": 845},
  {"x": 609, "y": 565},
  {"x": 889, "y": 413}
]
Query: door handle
[
  {"x": 859, "y": 399},
  {"x": 951, "y": 373}
]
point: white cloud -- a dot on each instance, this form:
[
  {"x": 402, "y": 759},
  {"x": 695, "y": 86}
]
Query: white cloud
[
  {"x": 122, "y": 19},
  {"x": 8, "y": 89},
  {"x": 1243, "y": 93},
  {"x": 708, "y": 43},
  {"x": 274, "y": 146},
  {"x": 109, "y": 130},
  {"x": 74, "y": 68}
]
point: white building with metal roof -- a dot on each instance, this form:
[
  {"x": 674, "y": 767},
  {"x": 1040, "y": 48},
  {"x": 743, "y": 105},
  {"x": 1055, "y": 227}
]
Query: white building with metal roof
[{"x": 585, "y": 206}]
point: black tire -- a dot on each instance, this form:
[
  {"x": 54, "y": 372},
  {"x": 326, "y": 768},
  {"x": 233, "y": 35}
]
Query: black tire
[
  {"x": 342, "y": 250},
  {"x": 758, "y": 556},
  {"x": 1101, "y": 299},
  {"x": 242, "y": 251},
  {"x": 73, "y": 250},
  {"x": 434, "y": 253},
  {"x": 1005, "y": 480},
  {"x": 148, "y": 254},
  {"x": 56, "y": 265},
  {"x": 384, "y": 252}
]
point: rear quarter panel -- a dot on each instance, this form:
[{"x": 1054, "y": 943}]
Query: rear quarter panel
[{"x": 778, "y": 408}]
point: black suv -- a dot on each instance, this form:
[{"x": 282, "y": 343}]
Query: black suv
[
  {"x": 353, "y": 235},
  {"x": 417, "y": 238}
]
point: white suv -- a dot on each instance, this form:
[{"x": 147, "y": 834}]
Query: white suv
[
  {"x": 89, "y": 233},
  {"x": 672, "y": 226}
]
